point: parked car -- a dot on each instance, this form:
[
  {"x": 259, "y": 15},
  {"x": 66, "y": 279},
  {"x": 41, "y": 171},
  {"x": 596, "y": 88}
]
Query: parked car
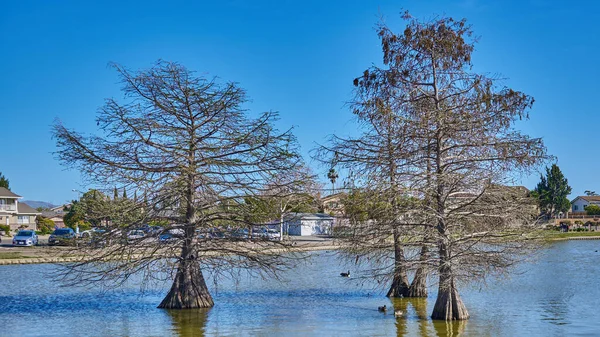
[
  {"x": 135, "y": 234},
  {"x": 240, "y": 233},
  {"x": 266, "y": 233},
  {"x": 272, "y": 234},
  {"x": 86, "y": 234},
  {"x": 171, "y": 235},
  {"x": 62, "y": 236},
  {"x": 101, "y": 237},
  {"x": 25, "y": 238}
]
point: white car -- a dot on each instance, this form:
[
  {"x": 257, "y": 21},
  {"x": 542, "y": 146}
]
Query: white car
[
  {"x": 135, "y": 234},
  {"x": 25, "y": 238}
]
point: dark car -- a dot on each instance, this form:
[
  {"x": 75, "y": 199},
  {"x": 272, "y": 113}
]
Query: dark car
[{"x": 62, "y": 236}]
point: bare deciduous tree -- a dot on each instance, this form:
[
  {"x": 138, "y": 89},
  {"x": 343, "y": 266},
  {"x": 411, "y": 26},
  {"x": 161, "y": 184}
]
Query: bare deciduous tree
[
  {"x": 443, "y": 136},
  {"x": 187, "y": 144}
]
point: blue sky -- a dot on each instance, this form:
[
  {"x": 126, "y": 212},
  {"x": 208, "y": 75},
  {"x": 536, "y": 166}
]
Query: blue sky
[{"x": 295, "y": 57}]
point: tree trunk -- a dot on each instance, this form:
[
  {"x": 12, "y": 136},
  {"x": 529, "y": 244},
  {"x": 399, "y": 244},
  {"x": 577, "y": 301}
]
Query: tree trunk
[
  {"x": 418, "y": 287},
  {"x": 448, "y": 305},
  {"x": 189, "y": 289},
  {"x": 281, "y": 226},
  {"x": 400, "y": 285}
]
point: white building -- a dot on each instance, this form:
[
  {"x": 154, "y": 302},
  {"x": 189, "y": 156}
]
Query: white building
[
  {"x": 303, "y": 224},
  {"x": 578, "y": 204}
]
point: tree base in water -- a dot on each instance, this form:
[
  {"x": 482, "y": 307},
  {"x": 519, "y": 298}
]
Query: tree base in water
[
  {"x": 449, "y": 306},
  {"x": 418, "y": 288},
  {"x": 189, "y": 289},
  {"x": 399, "y": 287}
]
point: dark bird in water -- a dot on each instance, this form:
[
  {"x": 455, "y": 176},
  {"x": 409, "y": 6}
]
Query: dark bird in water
[
  {"x": 382, "y": 309},
  {"x": 345, "y": 274}
]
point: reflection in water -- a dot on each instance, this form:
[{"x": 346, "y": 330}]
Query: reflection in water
[
  {"x": 555, "y": 296},
  {"x": 401, "y": 322},
  {"x": 420, "y": 307},
  {"x": 189, "y": 322},
  {"x": 449, "y": 328}
]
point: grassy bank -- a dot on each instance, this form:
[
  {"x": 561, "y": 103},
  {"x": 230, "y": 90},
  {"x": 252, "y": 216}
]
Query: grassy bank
[
  {"x": 12, "y": 255},
  {"x": 565, "y": 235}
]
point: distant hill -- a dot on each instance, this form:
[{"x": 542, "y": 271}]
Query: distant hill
[{"x": 36, "y": 204}]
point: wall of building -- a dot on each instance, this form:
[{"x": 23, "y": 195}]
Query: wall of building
[
  {"x": 578, "y": 205},
  {"x": 16, "y": 221}
]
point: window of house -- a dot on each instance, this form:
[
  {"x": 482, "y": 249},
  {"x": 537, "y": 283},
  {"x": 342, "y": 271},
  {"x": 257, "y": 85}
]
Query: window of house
[
  {"x": 574, "y": 207},
  {"x": 23, "y": 219}
]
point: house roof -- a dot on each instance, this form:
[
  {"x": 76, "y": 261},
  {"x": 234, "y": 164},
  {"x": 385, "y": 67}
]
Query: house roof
[
  {"x": 25, "y": 209},
  {"x": 50, "y": 214},
  {"x": 6, "y": 193},
  {"x": 333, "y": 196},
  {"x": 588, "y": 198},
  {"x": 308, "y": 216},
  {"x": 59, "y": 208}
]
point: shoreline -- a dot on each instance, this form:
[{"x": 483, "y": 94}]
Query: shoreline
[
  {"x": 306, "y": 247},
  {"x": 39, "y": 252}
]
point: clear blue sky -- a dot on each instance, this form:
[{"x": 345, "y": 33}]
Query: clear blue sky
[{"x": 295, "y": 57}]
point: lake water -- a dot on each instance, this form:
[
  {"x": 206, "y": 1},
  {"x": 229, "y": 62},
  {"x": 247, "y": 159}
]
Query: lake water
[{"x": 556, "y": 296}]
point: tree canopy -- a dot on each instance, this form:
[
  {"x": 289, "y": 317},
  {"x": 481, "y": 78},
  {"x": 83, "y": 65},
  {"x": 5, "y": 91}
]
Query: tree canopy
[
  {"x": 552, "y": 191},
  {"x": 442, "y": 137},
  {"x": 4, "y": 182},
  {"x": 189, "y": 145}
]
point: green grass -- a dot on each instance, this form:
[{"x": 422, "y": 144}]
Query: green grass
[
  {"x": 12, "y": 255},
  {"x": 561, "y": 235}
]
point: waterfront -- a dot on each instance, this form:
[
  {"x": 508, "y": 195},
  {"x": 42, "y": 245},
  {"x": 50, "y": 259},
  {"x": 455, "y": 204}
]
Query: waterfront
[{"x": 555, "y": 296}]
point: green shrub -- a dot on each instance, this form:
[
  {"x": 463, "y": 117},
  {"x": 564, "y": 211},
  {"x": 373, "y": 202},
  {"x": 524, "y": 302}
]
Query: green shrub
[
  {"x": 5, "y": 229},
  {"x": 44, "y": 225}
]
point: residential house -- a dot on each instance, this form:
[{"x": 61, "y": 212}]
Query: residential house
[
  {"x": 579, "y": 204},
  {"x": 333, "y": 205},
  {"x": 303, "y": 224},
  {"x": 14, "y": 213},
  {"x": 57, "y": 214}
]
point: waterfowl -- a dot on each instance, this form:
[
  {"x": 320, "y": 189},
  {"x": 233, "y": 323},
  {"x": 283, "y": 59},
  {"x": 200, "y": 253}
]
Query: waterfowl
[
  {"x": 382, "y": 309},
  {"x": 398, "y": 313},
  {"x": 345, "y": 274}
]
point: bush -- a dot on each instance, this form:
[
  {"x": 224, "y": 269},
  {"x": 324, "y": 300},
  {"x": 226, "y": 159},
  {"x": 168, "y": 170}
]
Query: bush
[
  {"x": 5, "y": 229},
  {"x": 44, "y": 225}
]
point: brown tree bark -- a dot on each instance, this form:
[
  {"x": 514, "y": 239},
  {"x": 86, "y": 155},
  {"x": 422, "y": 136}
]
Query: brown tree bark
[
  {"x": 418, "y": 287},
  {"x": 399, "y": 287},
  {"x": 448, "y": 305},
  {"x": 189, "y": 289}
]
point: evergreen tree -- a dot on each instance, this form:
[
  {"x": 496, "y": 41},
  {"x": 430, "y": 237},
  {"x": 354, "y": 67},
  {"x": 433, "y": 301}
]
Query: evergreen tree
[
  {"x": 552, "y": 191},
  {"x": 4, "y": 182}
]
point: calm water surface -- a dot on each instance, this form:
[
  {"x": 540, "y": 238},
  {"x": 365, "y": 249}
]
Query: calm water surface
[{"x": 556, "y": 296}]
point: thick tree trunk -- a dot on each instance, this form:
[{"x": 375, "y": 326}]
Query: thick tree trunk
[
  {"x": 418, "y": 287},
  {"x": 448, "y": 305},
  {"x": 399, "y": 287},
  {"x": 189, "y": 289}
]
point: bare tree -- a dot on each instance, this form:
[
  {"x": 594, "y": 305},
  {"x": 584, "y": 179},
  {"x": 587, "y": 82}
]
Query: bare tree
[
  {"x": 187, "y": 144},
  {"x": 453, "y": 148}
]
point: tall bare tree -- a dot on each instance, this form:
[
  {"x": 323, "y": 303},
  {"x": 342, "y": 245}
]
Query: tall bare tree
[
  {"x": 455, "y": 151},
  {"x": 187, "y": 143}
]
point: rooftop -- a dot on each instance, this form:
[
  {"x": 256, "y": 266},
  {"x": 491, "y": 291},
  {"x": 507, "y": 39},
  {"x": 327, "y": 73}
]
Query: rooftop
[{"x": 6, "y": 193}]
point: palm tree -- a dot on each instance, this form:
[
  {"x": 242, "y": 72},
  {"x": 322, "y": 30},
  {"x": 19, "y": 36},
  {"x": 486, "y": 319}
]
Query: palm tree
[{"x": 332, "y": 175}]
